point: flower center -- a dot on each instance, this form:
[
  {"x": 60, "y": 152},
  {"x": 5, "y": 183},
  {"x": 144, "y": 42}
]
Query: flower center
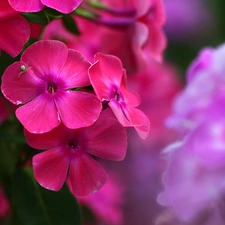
[
  {"x": 73, "y": 145},
  {"x": 52, "y": 88},
  {"x": 118, "y": 96}
]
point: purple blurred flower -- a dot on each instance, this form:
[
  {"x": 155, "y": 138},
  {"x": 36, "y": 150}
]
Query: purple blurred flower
[
  {"x": 187, "y": 18},
  {"x": 194, "y": 179}
]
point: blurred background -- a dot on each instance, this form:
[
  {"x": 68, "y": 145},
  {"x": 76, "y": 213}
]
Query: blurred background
[{"x": 130, "y": 196}]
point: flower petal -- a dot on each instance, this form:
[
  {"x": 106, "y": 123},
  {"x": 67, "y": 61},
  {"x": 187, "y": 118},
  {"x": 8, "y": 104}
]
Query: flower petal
[
  {"x": 107, "y": 138},
  {"x": 6, "y": 10},
  {"x": 66, "y": 6},
  {"x": 131, "y": 117},
  {"x": 39, "y": 115},
  {"x": 131, "y": 98},
  {"x": 75, "y": 70},
  {"x": 51, "y": 167},
  {"x": 56, "y": 137},
  {"x": 46, "y": 58},
  {"x": 139, "y": 120},
  {"x": 78, "y": 109},
  {"x": 86, "y": 176},
  {"x": 119, "y": 113},
  {"x": 20, "y": 86},
  {"x": 26, "y": 5},
  {"x": 16, "y": 34},
  {"x": 106, "y": 72}
]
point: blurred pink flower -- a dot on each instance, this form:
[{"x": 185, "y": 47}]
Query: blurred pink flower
[
  {"x": 16, "y": 29},
  {"x": 4, "y": 205},
  {"x": 4, "y": 112},
  {"x": 108, "y": 79},
  {"x": 106, "y": 203},
  {"x": 137, "y": 29},
  {"x": 44, "y": 82},
  {"x": 143, "y": 38},
  {"x": 69, "y": 154},
  {"x": 66, "y": 6},
  {"x": 157, "y": 87}
]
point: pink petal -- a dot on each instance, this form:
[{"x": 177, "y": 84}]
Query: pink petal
[
  {"x": 156, "y": 42},
  {"x": 78, "y": 109},
  {"x": 66, "y": 6},
  {"x": 51, "y": 167},
  {"x": 56, "y": 137},
  {"x": 26, "y": 5},
  {"x": 119, "y": 113},
  {"x": 16, "y": 34},
  {"x": 46, "y": 58},
  {"x": 40, "y": 115},
  {"x": 19, "y": 86},
  {"x": 131, "y": 117},
  {"x": 6, "y": 10},
  {"x": 131, "y": 98},
  {"x": 104, "y": 73},
  {"x": 75, "y": 70},
  {"x": 140, "y": 121},
  {"x": 86, "y": 176},
  {"x": 107, "y": 138}
]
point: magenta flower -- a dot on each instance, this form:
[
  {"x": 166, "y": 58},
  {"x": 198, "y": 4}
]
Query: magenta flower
[
  {"x": 108, "y": 79},
  {"x": 70, "y": 152},
  {"x": 66, "y": 6},
  {"x": 16, "y": 30},
  {"x": 44, "y": 81}
]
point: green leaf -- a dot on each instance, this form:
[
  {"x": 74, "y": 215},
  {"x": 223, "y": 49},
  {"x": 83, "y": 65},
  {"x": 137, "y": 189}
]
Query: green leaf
[
  {"x": 27, "y": 200},
  {"x": 37, "y": 206},
  {"x": 6, "y": 161},
  {"x": 62, "y": 207},
  {"x": 70, "y": 24},
  {"x": 37, "y": 17}
]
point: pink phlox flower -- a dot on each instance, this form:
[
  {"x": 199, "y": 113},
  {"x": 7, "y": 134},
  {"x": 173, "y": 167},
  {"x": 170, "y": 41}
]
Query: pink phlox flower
[
  {"x": 107, "y": 203},
  {"x": 108, "y": 79},
  {"x": 66, "y": 6},
  {"x": 69, "y": 154},
  {"x": 16, "y": 30},
  {"x": 44, "y": 82}
]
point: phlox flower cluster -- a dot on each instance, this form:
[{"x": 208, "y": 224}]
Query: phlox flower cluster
[
  {"x": 62, "y": 116},
  {"x": 194, "y": 178}
]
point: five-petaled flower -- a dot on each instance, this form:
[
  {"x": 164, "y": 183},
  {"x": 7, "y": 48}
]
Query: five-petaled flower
[
  {"x": 69, "y": 154},
  {"x": 108, "y": 79},
  {"x": 66, "y": 6},
  {"x": 44, "y": 81}
]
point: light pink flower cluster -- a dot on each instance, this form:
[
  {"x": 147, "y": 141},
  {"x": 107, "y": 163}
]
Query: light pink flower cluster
[
  {"x": 194, "y": 179},
  {"x": 61, "y": 115}
]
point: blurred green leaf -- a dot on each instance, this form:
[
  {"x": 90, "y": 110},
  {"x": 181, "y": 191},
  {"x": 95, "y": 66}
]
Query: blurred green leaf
[
  {"x": 37, "y": 17},
  {"x": 27, "y": 199},
  {"x": 70, "y": 24},
  {"x": 37, "y": 206},
  {"x": 6, "y": 162},
  {"x": 62, "y": 207}
]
